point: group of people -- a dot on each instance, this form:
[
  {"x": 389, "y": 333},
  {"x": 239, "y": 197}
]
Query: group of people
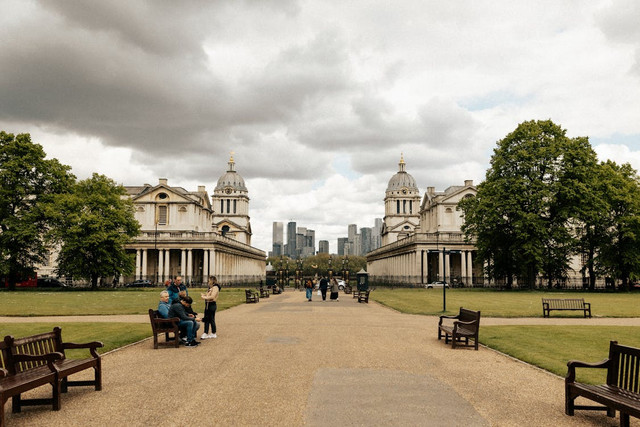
[
  {"x": 176, "y": 302},
  {"x": 324, "y": 286}
]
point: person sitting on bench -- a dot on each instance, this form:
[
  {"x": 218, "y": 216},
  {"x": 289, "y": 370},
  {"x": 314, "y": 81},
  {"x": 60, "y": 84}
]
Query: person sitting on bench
[
  {"x": 188, "y": 322},
  {"x": 164, "y": 305}
]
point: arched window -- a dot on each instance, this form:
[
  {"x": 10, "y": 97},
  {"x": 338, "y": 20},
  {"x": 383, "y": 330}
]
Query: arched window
[{"x": 225, "y": 230}]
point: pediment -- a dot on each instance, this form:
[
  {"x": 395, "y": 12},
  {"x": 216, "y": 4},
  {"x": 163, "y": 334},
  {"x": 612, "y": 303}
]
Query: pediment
[{"x": 154, "y": 195}]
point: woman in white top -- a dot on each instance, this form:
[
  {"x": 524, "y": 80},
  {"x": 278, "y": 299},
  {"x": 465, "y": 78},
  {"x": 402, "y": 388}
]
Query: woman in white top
[{"x": 210, "y": 306}]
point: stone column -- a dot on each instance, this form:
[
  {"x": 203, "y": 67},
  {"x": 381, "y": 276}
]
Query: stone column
[
  {"x": 440, "y": 265},
  {"x": 160, "y": 265},
  {"x": 167, "y": 264},
  {"x": 463, "y": 266},
  {"x": 212, "y": 262},
  {"x": 205, "y": 265},
  {"x": 183, "y": 264},
  {"x": 470, "y": 267},
  {"x": 138, "y": 261},
  {"x": 190, "y": 264},
  {"x": 144, "y": 263}
]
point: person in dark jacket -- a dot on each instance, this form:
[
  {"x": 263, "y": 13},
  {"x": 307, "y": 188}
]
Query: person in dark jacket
[
  {"x": 324, "y": 284},
  {"x": 188, "y": 322},
  {"x": 175, "y": 290}
]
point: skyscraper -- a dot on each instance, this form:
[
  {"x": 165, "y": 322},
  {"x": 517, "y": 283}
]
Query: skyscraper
[
  {"x": 324, "y": 247},
  {"x": 278, "y": 238},
  {"x": 291, "y": 239}
]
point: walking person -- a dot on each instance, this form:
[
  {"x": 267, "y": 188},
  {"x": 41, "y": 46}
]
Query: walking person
[
  {"x": 335, "y": 289},
  {"x": 308, "y": 287},
  {"x": 324, "y": 284},
  {"x": 210, "y": 307}
]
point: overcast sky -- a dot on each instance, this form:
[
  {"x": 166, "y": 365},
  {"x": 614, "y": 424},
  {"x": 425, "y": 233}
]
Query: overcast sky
[{"x": 317, "y": 99}]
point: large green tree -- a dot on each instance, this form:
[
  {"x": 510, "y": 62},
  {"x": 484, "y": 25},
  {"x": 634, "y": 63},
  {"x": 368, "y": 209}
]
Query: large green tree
[
  {"x": 97, "y": 221},
  {"x": 521, "y": 215},
  {"x": 619, "y": 252},
  {"x": 29, "y": 184}
]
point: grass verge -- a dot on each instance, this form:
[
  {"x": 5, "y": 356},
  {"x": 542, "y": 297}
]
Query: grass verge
[
  {"x": 112, "y": 335},
  {"x": 494, "y": 303},
  {"x": 551, "y": 347},
  {"x": 82, "y": 303}
]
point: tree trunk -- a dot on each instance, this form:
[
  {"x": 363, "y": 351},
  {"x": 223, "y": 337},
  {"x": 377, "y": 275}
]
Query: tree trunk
[{"x": 94, "y": 281}]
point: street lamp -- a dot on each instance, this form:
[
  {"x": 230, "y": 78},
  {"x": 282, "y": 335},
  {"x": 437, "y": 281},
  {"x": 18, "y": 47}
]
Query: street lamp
[
  {"x": 330, "y": 271},
  {"x": 445, "y": 252}
]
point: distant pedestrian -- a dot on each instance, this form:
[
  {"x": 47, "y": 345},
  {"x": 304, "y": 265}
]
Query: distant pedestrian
[
  {"x": 324, "y": 284},
  {"x": 335, "y": 289},
  {"x": 210, "y": 306},
  {"x": 308, "y": 287}
]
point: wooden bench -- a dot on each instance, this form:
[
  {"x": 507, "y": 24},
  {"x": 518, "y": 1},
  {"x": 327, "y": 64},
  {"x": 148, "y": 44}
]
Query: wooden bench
[
  {"x": 40, "y": 359},
  {"x": 160, "y": 325},
  {"x": 264, "y": 293},
  {"x": 38, "y": 371},
  {"x": 465, "y": 326},
  {"x": 575, "y": 304},
  {"x": 363, "y": 296},
  {"x": 620, "y": 393},
  {"x": 356, "y": 293},
  {"x": 252, "y": 296}
]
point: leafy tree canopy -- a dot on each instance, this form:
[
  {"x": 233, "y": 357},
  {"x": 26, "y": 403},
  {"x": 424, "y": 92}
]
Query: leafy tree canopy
[
  {"x": 29, "y": 184},
  {"x": 96, "y": 222}
]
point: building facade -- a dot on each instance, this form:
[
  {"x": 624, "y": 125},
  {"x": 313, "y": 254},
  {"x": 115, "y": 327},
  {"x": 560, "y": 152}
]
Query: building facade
[
  {"x": 184, "y": 233},
  {"x": 423, "y": 242}
]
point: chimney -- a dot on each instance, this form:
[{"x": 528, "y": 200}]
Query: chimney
[
  {"x": 201, "y": 189},
  {"x": 468, "y": 183},
  {"x": 163, "y": 181},
  {"x": 431, "y": 190}
]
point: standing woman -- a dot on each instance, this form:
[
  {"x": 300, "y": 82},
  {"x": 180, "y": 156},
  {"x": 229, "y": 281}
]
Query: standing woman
[
  {"x": 335, "y": 289},
  {"x": 210, "y": 307}
]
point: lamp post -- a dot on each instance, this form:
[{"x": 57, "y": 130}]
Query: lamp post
[
  {"x": 299, "y": 274},
  {"x": 445, "y": 252},
  {"x": 330, "y": 271}
]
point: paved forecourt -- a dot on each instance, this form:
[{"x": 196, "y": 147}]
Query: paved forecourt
[{"x": 289, "y": 362}]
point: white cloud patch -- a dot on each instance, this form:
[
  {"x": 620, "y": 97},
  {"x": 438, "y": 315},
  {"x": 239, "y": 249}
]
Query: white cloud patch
[{"x": 317, "y": 99}]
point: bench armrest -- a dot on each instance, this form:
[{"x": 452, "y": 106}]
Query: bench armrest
[
  {"x": 50, "y": 358},
  {"x": 90, "y": 345},
  {"x": 587, "y": 305},
  {"x": 460, "y": 322},
  {"x": 447, "y": 317},
  {"x": 573, "y": 364},
  {"x": 175, "y": 320},
  {"x": 3, "y": 372}
]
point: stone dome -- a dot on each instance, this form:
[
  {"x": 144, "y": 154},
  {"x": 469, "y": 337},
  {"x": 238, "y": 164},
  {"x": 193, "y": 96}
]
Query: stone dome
[
  {"x": 231, "y": 179},
  {"x": 402, "y": 179}
]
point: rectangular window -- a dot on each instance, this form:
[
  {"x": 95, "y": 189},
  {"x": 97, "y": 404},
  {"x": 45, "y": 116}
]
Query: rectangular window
[
  {"x": 228, "y": 206},
  {"x": 221, "y": 206},
  {"x": 234, "y": 206},
  {"x": 162, "y": 215}
]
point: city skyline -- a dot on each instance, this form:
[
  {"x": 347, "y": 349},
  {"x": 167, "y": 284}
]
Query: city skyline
[{"x": 318, "y": 113}]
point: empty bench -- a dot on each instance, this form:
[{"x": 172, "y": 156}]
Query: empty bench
[
  {"x": 251, "y": 296},
  {"x": 160, "y": 326},
  {"x": 466, "y": 325},
  {"x": 620, "y": 393},
  {"x": 363, "y": 296},
  {"x": 36, "y": 360},
  {"x": 567, "y": 304}
]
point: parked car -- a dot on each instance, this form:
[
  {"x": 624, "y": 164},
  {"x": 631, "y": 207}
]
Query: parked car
[
  {"x": 140, "y": 283},
  {"x": 436, "y": 284},
  {"x": 50, "y": 282},
  {"x": 341, "y": 284}
]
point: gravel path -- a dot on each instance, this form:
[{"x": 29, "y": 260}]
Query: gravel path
[{"x": 289, "y": 362}]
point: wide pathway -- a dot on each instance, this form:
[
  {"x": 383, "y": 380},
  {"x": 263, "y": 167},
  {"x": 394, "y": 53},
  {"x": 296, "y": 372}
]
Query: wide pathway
[{"x": 289, "y": 362}]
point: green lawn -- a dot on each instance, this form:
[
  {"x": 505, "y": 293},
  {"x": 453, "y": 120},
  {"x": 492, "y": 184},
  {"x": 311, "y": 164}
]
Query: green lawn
[
  {"x": 494, "y": 303},
  {"x": 81, "y": 303},
  {"x": 112, "y": 335},
  {"x": 551, "y": 347}
]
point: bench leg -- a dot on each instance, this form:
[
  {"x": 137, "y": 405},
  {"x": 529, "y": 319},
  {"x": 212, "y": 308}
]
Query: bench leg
[
  {"x": 16, "y": 404},
  {"x": 64, "y": 387},
  {"x": 624, "y": 420},
  {"x": 56, "y": 395},
  {"x": 98, "y": 376}
]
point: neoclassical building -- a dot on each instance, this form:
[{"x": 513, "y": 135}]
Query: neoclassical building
[
  {"x": 188, "y": 234},
  {"x": 422, "y": 241}
]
